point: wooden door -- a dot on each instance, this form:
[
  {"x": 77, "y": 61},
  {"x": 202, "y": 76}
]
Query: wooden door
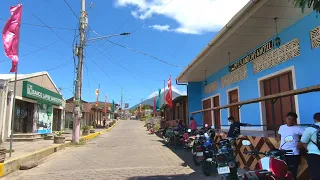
[
  {"x": 207, "y": 116},
  {"x": 282, "y": 106},
  {"x": 216, "y": 113},
  {"x": 233, "y": 98}
]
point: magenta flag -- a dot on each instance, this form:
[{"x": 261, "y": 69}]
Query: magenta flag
[{"x": 10, "y": 35}]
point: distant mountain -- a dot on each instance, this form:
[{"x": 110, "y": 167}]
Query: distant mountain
[{"x": 150, "y": 101}]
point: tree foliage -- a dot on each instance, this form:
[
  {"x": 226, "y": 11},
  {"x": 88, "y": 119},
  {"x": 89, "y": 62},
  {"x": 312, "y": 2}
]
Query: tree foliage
[{"x": 314, "y": 4}]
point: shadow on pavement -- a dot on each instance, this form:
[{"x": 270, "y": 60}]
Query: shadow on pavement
[{"x": 192, "y": 176}]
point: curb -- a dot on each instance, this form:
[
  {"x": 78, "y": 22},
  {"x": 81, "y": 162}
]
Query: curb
[{"x": 14, "y": 164}]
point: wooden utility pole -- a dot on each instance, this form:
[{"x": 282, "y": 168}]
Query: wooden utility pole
[{"x": 80, "y": 50}]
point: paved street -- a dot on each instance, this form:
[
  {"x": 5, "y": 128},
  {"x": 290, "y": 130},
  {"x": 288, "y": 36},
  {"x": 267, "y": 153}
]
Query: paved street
[{"x": 126, "y": 152}]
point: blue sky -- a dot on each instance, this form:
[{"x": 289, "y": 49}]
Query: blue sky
[{"x": 167, "y": 31}]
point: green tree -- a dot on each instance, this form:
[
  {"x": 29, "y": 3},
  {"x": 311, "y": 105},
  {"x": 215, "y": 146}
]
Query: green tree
[{"x": 314, "y": 4}]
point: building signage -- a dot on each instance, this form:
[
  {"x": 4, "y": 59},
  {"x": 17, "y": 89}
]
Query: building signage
[
  {"x": 41, "y": 94},
  {"x": 253, "y": 55}
]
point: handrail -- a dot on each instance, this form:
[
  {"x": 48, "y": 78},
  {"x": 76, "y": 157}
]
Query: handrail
[{"x": 265, "y": 98}]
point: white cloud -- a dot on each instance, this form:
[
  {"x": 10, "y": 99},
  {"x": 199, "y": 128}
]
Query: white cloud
[
  {"x": 192, "y": 16},
  {"x": 174, "y": 88},
  {"x": 161, "y": 27}
]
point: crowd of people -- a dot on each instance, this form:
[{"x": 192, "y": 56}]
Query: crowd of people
[{"x": 303, "y": 138}]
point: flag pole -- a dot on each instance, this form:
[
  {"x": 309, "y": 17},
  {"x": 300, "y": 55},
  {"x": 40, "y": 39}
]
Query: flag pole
[
  {"x": 13, "y": 108},
  {"x": 14, "y": 91}
]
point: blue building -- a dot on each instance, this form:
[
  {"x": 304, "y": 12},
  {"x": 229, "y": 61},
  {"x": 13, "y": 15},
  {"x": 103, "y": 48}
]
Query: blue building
[{"x": 268, "y": 47}]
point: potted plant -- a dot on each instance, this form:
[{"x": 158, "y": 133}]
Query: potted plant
[
  {"x": 85, "y": 130},
  {"x": 59, "y": 138}
]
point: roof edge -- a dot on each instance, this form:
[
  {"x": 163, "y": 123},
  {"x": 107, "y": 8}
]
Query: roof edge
[{"x": 221, "y": 33}]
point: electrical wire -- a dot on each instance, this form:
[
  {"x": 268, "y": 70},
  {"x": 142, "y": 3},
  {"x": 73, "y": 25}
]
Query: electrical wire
[
  {"x": 29, "y": 53},
  {"x": 42, "y": 26},
  {"x": 71, "y": 10},
  {"x": 145, "y": 54},
  {"x": 47, "y": 26}
]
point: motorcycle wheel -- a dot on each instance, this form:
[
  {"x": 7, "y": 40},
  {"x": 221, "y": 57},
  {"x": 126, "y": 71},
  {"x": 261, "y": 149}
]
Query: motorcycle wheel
[
  {"x": 206, "y": 168},
  {"x": 195, "y": 160}
]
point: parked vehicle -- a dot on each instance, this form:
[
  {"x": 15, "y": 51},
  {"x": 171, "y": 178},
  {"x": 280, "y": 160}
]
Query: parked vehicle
[
  {"x": 198, "y": 148},
  {"x": 209, "y": 153},
  {"x": 272, "y": 166},
  {"x": 188, "y": 139},
  {"x": 227, "y": 166}
]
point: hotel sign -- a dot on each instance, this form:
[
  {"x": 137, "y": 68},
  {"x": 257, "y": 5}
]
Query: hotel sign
[
  {"x": 40, "y": 94},
  {"x": 253, "y": 55}
]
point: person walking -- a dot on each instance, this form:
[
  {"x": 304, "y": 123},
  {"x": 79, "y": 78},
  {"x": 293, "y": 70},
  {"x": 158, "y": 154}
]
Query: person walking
[{"x": 310, "y": 139}]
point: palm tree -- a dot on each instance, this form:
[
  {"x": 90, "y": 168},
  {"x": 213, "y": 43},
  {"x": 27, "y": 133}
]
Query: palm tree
[{"x": 314, "y": 4}]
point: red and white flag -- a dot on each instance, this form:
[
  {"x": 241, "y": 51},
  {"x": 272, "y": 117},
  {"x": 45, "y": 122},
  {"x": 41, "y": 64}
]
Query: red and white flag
[
  {"x": 10, "y": 35},
  {"x": 169, "y": 93}
]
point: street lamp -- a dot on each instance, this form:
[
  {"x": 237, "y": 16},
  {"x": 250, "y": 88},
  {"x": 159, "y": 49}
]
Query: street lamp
[{"x": 106, "y": 37}]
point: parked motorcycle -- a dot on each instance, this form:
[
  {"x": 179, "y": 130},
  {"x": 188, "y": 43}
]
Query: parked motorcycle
[
  {"x": 188, "y": 139},
  {"x": 209, "y": 153},
  {"x": 198, "y": 148},
  {"x": 227, "y": 166},
  {"x": 272, "y": 166}
]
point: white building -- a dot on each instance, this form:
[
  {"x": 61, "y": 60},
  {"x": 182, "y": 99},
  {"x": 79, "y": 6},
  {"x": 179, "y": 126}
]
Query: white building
[{"x": 39, "y": 105}]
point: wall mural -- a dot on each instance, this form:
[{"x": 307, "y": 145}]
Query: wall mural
[{"x": 44, "y": 119}]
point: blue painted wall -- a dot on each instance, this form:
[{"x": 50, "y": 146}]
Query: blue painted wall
[
  {"x": 195, "y": 101},
  {"x": 307, "y": 72}
]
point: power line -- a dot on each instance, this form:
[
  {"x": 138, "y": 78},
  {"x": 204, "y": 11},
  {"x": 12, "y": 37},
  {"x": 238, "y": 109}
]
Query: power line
[
  {"x": 145, "y": 54},
  {"x": 42, "y": 48},
  {"x": 47, "y": 26},
  {"x": 105, "y": 73},
  {"x": 60, "y": 66},
  {"x": 71, "y": 10},
  {"x": 42, "y": 26}
]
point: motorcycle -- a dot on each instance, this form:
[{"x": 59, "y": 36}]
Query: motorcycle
[
  {"x": 188, "y": 139},
  {"x": 197, "y": 149},
  {"x": 272, "y": 166},
  {"x": 209, "y": 153},
  {"x": 227, "y": 166},
  {"x": 172, "y": 136}
]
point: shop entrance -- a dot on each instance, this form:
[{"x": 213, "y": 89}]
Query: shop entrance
[
  {"x": 56, "y": 124},
  {"x": 274, "y": 85},
  {"x": 23, "y": 122}
]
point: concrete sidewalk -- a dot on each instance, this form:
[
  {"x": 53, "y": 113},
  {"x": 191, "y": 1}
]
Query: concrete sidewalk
[{"x": 34, "y": 151}]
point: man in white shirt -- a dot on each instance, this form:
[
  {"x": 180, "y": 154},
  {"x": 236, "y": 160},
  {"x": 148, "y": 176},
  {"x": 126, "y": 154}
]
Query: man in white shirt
[
  {"x": 309, "y": 138},
  {"x": 291, "y": 129}
]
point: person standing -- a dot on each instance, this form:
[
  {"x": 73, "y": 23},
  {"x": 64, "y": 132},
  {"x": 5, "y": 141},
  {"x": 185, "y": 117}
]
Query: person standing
[
  {"x": 193, "y": 125},
  {"x": 234, "y": 130},
  {"x": 310, "y": 140},
  {"x": 291, "y": 129}
]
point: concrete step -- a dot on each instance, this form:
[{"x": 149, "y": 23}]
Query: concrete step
[
  {"x": 27, "y": 135},
  {"x": 24, "y": 139}
]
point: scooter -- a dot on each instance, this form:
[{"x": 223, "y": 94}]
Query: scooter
[
  {"x": 272, "y": 166},
  {"x": 187, "y": 140}
]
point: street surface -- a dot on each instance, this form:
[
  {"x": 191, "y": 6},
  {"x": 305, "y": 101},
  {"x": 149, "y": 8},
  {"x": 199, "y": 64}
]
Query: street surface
[{"x": 127, "y": 152}]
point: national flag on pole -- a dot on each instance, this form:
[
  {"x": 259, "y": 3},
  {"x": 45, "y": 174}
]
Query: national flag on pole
[
  {"x": 10, "y": 35},
  {"x": 112, "y": 106},
  {"x": 169, "y": 93},
  {"x": 97, "y": 94},
  {"x": 159, "y": 100}
]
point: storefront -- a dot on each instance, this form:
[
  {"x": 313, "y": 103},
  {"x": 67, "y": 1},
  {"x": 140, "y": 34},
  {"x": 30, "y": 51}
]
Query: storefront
[
  {"x": 39, "y": 106},
  {"x": 43, "y": 110}
]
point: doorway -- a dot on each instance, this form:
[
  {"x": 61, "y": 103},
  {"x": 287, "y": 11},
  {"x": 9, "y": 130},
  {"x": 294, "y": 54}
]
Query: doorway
[
  {"x": 207, "y": 115},
  {"x": 56, "y": 124},
  {"x": 216, "y": 113},
  {"x": 234, "y": 110},
  {"x": 274, "y": 85}
]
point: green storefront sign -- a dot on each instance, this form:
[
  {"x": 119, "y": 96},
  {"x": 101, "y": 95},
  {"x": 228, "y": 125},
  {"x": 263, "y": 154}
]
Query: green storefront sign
[{"x": 33, "y": 91}]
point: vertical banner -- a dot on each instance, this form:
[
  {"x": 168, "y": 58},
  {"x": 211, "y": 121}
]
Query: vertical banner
[{"x": 10, "y": 35}]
